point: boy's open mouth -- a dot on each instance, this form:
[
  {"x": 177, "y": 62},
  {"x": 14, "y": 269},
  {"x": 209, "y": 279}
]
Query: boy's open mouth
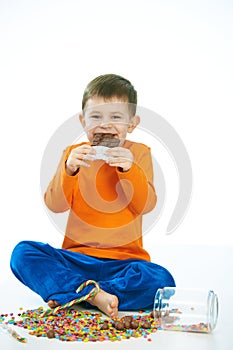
[{"x": 106, "y": 135}]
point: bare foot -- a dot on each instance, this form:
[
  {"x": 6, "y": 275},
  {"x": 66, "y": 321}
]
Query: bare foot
[
  {"x": 52, "y": 304},
  {"x": 107, "y": 303}
]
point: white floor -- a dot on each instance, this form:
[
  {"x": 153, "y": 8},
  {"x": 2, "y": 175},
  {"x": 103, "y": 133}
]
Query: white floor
[{"x": 193, "y": 266}]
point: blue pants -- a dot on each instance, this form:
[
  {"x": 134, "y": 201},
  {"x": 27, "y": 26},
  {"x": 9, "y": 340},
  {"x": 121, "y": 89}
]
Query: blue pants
[{"x": 55, "y": 274}]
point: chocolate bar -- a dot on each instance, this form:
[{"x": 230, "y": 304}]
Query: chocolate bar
[{"x": 105, "y": 139}]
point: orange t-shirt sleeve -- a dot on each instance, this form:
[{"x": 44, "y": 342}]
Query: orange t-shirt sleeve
[
  {"x": 137, "y": 183},
  {"x": 59, "y": 194}
]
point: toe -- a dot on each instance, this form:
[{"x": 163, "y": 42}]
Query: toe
[{"x": 52, "y": 304}]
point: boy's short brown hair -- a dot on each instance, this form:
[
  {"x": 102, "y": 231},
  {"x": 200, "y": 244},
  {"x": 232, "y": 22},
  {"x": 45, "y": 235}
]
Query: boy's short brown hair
[{"x": 111, "y": 85}]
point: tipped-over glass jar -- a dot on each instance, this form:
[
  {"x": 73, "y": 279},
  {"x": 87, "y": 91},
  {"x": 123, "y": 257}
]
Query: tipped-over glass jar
[{"x": 190, "y": 310}]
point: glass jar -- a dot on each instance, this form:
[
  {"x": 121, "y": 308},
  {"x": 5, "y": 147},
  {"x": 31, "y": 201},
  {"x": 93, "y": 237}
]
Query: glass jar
[{"x": 190, "y": 310}]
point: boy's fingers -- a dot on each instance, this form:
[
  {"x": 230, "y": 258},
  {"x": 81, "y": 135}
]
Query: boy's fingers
[
  {"x": 119, "y": 153},
  {"x": 89, "y": 157},
  {"x": 119, "y": 159}
]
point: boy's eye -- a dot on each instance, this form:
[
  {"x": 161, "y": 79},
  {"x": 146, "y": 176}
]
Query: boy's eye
[
  {"x": 116, "y": 117},
  {"x": 95, "y": 116}
]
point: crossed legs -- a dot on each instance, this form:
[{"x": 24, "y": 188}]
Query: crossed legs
[{"x": 55, "y": 274}]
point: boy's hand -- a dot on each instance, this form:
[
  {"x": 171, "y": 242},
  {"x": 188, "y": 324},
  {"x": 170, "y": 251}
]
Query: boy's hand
[
  {"x": 120, "y": 157},
  {"x": 78, "y": 157}
]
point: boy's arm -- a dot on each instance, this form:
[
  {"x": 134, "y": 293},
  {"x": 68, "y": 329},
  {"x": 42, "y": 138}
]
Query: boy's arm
[
  {"x": 138, "y": 187},
  {"x": 59, "y": 194}
]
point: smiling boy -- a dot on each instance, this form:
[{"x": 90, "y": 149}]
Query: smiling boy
[{"x": 106, "y": 200}]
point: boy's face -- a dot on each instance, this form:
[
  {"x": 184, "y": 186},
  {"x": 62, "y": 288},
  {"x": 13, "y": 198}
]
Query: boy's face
[{"x": 108, "y": 117}]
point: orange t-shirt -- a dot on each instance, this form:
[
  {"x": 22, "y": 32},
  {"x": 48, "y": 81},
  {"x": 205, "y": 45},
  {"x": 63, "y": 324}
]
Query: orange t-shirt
[{"x": 106, "y": 205}]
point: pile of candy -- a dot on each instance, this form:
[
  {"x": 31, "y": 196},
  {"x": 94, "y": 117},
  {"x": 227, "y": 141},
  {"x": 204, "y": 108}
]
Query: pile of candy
[
  {"x": 70, "y": 324},
  {"x": 73, "y": 325}
]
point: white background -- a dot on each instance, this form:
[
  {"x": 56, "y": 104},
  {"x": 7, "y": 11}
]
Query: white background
[{"x": 178, "y": 55}]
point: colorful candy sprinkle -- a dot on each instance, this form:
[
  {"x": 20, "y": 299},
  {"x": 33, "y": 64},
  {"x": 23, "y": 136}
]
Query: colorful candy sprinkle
[{"x": 72, "y": 325}]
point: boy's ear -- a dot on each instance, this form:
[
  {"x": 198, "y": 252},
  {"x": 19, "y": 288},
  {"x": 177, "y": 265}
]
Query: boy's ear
[
  {"x": 134, "y": 121},
  {"x": 82, "y": 120}
]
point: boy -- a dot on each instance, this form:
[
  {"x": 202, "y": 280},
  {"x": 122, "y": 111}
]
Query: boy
[{"x": 107, "y": 195}]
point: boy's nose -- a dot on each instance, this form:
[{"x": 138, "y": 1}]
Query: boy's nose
[{"x": 106, "y": 124}]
